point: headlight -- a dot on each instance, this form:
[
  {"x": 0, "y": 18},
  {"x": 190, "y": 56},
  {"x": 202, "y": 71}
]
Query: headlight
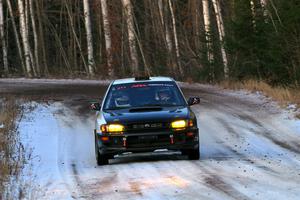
[
  {"x": 179, "y": 124},
  {"x": 112, "y": 128}
]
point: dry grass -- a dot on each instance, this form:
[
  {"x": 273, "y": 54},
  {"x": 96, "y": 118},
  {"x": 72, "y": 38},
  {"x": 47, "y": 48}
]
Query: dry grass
[
  {"x": 11, "y": 150},
  {"x": 282, "y": 95}
]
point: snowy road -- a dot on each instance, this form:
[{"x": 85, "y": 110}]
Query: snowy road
[{"x": 249, "y": 150}]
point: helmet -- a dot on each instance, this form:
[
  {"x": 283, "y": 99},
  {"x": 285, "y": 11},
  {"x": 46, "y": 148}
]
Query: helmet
[
  {"x": 163, "y": 95},
  {"x": 122, "y": 101}
]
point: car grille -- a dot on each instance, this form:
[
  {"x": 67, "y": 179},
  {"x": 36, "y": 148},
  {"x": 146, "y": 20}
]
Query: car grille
[
  {"x": 147, "y": 127},
  {"x": 148, "y": 141}
]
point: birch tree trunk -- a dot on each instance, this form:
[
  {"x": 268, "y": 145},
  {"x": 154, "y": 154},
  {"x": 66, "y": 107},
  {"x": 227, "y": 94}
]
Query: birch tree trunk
[
  {"x": 266, "y": 13},
  {"x": 196, "y": 29},
  {"x": 276, "y": 12},
  {"x": 3, "y": 43},
  {"x": 131, "y": 36},
  {"x": 221, "y": 31},
  {"x": 24, "y": 38},
  {"x": 16, "y": 35},
  {"x": 107, "y": 36},
  {"x": 206, "y": 17},
  {"x": 253, "y": 11},
  {"x": 89, "y": 38},
  {"x": 32, "y": 60},
  {"x": 175, "y": 38},
  {"x": 263, "y": 4},
  {"x": 40, "y": 17},
  {"x": 26, "y": 14},
  {"x": 161, "y": 12},
  {"x": 166, "y": 34},
  {"x": 165, "y": 26},
  {"x": 36, "y": 46}
]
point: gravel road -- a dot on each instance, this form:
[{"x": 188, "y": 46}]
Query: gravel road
[{"x": 250, "y": 149}]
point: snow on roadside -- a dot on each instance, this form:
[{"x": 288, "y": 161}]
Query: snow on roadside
[
  {"x": 263, "y": 103},
  {"x": 40, "y": 137},
  {"x": 50, "y": 141},
  {"x": 285, "y": 115}
]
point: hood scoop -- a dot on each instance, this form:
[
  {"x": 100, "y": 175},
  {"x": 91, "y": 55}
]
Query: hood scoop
[{"x": 145, "y": 109}]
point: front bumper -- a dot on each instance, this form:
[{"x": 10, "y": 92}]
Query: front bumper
[{"x": 148, "y": 142}]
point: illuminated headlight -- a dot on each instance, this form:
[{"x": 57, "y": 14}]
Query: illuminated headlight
[
  {"x": 179, "y": 124},
  {"x": 112, "y": 128}
]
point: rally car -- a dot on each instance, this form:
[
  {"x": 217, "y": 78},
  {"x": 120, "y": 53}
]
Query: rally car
[{"x": 145, "y": 114}]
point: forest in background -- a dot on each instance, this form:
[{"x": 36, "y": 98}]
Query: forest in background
[{"x": 202, "y": 40}]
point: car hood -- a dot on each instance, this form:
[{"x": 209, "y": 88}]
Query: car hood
[{"x": 150, "y": 115}]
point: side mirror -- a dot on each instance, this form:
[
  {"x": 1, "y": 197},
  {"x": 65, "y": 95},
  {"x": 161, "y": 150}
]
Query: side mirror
[
  {"x": 95, "y": 106},
  {"x": 193, "y": 100}
]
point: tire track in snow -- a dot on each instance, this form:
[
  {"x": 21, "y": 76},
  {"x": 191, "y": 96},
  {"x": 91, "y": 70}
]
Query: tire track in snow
[
  {"x": 236, "y": 112},
  {"x": 293, "y": 146}
]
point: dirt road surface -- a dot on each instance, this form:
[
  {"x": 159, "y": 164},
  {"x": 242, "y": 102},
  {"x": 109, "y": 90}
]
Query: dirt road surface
[{"x": 250, "y": 149}]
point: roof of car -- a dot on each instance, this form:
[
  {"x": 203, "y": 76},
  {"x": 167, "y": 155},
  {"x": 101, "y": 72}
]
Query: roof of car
[{"x": 134, "y": 80}]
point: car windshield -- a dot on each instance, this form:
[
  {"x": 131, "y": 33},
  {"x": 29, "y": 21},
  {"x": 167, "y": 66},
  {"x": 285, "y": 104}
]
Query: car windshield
[{"x": 143, "y": 94}]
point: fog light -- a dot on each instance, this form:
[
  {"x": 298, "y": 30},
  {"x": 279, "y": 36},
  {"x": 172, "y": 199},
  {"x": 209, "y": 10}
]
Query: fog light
[
  {"x": 178, "y": 124},
  {"x": 112, "y": 128},
  {"x": 115, "y": 128}
]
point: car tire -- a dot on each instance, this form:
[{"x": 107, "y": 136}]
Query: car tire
[
  {"x": 100, "y": 158},
  {"x": 194, "y": 154}
]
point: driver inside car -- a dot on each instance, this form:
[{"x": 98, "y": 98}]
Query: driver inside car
[
  {"x": 164, "y": 96},
  {"x": 122, "y": 101}
]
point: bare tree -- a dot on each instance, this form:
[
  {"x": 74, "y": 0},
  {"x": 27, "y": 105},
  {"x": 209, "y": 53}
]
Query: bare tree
[
  {"x": 16, "y": 34},
  {"x": 194, "y": 4},
  {"x": 221, "y": 31},
  {"x": 276, "y": 12},
  {"x": 162, "y": 6},
  {"x": 161, "y": 11},
  {"x": 27, "y": 22},
  {"x": 131, "y": 35},
  {"x": 253, "y": 11},
  {"x": 139, "y": 43},
  {"x": 263, "y": 4},
  {"x": 89, "y": 38},
  {"x": 206, "y": 17},
  {"x": 3, "y": 43},
  {"x": 266, "y": 13},
  {"x": 175, "y": 38},
  {"x": 24, "y": 36},
  {"x": 40, "y": 18},
  {"x": 34, "y": 30},
  {"x": 77, "y": 41},
  {"x": 165, "y": 26},
  {"x": 107, "y": 36}
]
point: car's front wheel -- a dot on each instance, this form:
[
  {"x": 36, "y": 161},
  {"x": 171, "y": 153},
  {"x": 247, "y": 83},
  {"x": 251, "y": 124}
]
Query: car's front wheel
[{"x": 100, "y": 158}]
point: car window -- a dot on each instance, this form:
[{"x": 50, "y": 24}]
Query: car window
[{"x": 143, "y": 94}]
